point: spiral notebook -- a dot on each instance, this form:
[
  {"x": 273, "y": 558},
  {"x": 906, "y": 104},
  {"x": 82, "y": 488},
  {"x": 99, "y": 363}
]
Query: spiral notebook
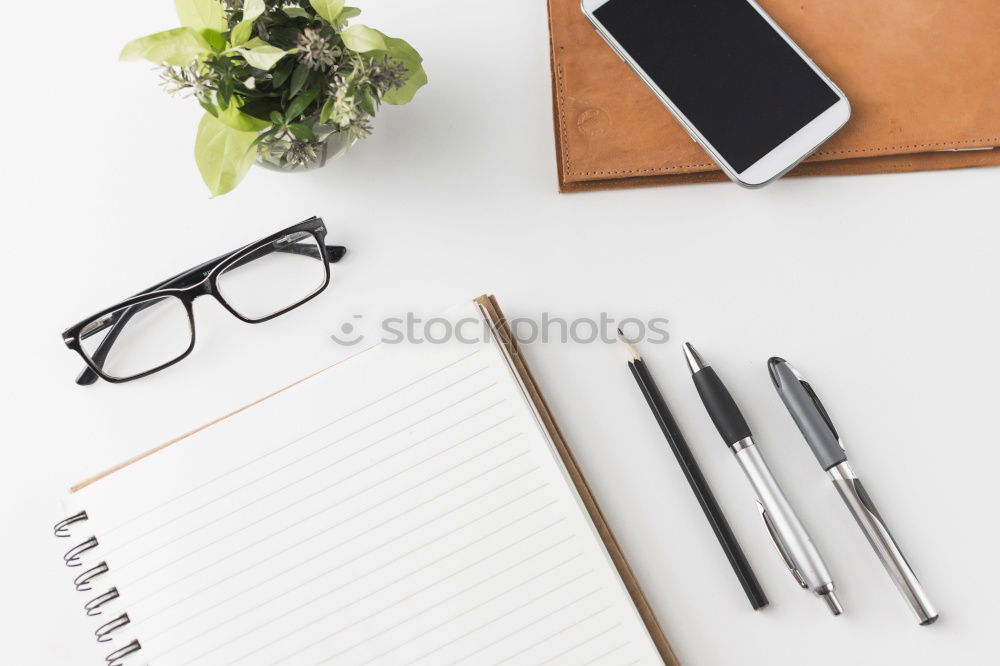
[{"x": 413, "y": 504}]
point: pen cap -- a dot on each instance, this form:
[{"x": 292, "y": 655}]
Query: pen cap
[{"x": 808, "y": 413}]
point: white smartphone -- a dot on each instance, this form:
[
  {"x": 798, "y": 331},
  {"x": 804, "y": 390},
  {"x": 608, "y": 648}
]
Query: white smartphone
[{"x": 735, "y": 81}]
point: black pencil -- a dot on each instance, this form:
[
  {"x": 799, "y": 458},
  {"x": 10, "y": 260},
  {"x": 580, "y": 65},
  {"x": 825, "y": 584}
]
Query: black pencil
[{"x": 699, "y": 486}]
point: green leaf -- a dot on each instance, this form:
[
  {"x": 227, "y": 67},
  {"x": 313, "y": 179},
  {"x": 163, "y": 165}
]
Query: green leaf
[
  {"x": 328, "y": 9},
  {"x": 281, "y": 73},
  {"x": 271, "y": 133},
  {"x": 416, "y": 78},
  {"x": 366, "y": 101},
  {"x": 302, "y": 132},
  {"x": 262, "y": 56},
  {"x": 214, "y": 39},
  {"x": 223, "y": 154},
  {"x": 276, "y": 118},
  {"x": 252, "y": 9},
  {"x": 241, "y": 33},
  {"x": 349, "y": 13},
  {"x": 363, "y": 39},
  {"x": 399, "y": 49},
  {"x": 299, "y": 77},
  {"x": 225, "y": 92},
  {"x": 326, "y": 111},
  {"x": 240, "y": 121},
  {"x": 257, "y": 141},
  {"x": 299, "y": 104},
  {"x": 296, "y": 12},
  {"x": 201, "y": 14},
  {"x": 209, "y": 107},
  {"x": 178, "y": 47}
]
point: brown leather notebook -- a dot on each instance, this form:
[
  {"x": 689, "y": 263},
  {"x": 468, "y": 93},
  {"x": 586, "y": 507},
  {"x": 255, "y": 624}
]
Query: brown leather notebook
[
  {"x": 922, "y": 76},
  {"x": 378, "y": 508}
]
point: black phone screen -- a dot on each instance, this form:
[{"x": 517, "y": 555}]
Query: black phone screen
[{"x": 724, "y": 67}]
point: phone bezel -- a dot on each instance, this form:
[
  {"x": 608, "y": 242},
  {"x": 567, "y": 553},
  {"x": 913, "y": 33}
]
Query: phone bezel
[{"x": 780, "y": 159}]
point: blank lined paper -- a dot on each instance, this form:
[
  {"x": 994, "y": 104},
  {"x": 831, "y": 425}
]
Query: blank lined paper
[{"x": 402, "y": 507}]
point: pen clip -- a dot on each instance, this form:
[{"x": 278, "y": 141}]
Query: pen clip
[
  {"x": 782, "y": 551},
  {"x": 820, "y": 409},
  {"x": 822, "y": 412},
  {"x": 866, "y": 501}
]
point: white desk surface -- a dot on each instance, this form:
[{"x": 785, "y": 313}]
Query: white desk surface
[{"x": 882, "y": 289}]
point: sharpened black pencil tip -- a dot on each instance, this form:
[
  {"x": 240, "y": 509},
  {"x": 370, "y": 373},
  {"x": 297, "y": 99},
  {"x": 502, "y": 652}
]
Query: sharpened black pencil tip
[{"x": 633, "y": 353}]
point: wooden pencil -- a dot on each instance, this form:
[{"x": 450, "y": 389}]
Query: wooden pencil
[{"x": 699, "y": 486}]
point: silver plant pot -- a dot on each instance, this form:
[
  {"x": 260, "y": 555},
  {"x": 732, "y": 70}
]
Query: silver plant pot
[{"x": 332, "y": 142}]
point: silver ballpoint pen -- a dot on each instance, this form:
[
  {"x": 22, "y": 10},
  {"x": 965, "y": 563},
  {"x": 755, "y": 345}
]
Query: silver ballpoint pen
[
  {"x": 818, "y": 431},
  {"x": 794, "y": 544}
]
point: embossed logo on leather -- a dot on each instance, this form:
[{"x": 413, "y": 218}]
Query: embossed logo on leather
[{"x": 593, "y": 122}]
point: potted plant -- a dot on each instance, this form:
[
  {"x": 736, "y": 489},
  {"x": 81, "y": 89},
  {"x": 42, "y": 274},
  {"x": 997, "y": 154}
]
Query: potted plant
[{"x": 286, "y": 83}]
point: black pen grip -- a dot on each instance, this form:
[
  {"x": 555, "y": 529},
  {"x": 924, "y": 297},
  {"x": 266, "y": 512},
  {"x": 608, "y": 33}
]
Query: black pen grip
[{"x": 721, "y": 406}]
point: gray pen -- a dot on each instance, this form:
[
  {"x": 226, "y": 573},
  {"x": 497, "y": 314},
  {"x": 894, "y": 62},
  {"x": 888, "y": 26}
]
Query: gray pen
[
  {"x": 817, "y": 428},
  {"x": 789, "y": 535}
]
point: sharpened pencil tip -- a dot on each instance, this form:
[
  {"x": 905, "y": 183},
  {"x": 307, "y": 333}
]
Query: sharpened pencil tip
[{"x": 633, "y": 353}]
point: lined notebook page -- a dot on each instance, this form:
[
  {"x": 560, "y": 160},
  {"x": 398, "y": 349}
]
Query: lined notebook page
[{"x": 402, "y": 507}]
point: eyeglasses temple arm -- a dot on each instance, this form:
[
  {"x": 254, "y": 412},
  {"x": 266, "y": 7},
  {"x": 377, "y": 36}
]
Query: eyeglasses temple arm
[{"x": 334, "y": 254}]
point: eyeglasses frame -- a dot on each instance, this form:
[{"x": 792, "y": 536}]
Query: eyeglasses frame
[{"x": 202, "y": 280}]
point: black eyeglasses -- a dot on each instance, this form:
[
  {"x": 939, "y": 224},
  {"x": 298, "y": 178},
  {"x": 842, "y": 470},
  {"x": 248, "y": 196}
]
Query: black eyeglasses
[{"x": 155, "y": 328}]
